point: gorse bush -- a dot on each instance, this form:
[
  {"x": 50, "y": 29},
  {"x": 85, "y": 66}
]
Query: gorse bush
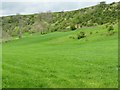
[{"x": 81, "y": 35}]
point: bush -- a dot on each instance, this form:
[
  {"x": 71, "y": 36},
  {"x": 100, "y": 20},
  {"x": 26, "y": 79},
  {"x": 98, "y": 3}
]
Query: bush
[
  {"x": 111, "y": 28},
  {"x": 43, "y": 33},
  {"x": 81, "y": 35},
  {"x": 90, "y": 33},
  {"x": 107, "y": 26},
  {"x": 81, "y": 26},
  {"x": 71, "y": 37},
  {"x": 96, "y": 31},
  {"x": 72, "y": 27}
]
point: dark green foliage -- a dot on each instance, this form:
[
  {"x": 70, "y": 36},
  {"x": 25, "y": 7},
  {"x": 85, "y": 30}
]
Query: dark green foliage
[
  {"x": 81, "y": 35},
  {"x": 71, "y": 37},
  {"x": 107, "y": 26},
  {"x": 72, "y": 27},
  {"x": 96, "y": 31},
  {"x": 91, "y": 33},
  {"x": 111, "y": 28}
]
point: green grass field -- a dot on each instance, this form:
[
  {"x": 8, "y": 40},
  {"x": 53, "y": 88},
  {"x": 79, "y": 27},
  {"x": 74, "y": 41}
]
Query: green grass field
[{"x": 56, "y": 61}]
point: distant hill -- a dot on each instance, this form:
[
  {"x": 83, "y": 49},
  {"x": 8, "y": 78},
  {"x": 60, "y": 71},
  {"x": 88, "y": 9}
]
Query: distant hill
[{"x": 60, "y": 21}]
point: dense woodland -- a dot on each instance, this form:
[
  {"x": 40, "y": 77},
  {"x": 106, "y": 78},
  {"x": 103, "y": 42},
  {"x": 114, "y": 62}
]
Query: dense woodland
[{"x": 46, "y": 22}]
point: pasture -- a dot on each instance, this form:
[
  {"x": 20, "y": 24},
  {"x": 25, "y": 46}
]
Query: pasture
[{"x": 55, "y": 60}]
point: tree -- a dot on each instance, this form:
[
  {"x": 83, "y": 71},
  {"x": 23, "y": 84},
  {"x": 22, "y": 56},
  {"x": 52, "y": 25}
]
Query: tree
[
  {"x": 39, "y": 25},
  {"x": 5, "y": 36},
  {"x": 20, "y": 23},
  {"x": 44, "y": 21}
]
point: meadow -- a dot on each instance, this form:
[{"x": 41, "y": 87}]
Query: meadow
[{"x": 55, "y": 60}]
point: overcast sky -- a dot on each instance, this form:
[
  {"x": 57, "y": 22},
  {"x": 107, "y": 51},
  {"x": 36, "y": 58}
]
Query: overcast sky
[{"x": 11, "y": 7}]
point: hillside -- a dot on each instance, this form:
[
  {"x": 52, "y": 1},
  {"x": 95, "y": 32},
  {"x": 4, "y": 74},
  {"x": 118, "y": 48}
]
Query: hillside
[
  {"x": 60, "y": 21},
  {"x": 73, "y": 49},
  {"x": 56, "y": 60}
]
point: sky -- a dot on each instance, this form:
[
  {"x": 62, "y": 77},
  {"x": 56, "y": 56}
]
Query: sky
[{"x": 13, "y": 7}]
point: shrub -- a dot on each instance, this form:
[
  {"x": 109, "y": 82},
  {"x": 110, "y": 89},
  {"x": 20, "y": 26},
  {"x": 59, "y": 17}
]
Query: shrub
[
  {"x": 111, "y": 28},
  {"x": 81, "y": 35},
  {"x": 96, "y": 31},
  {"x": 71, "y": 37},
  {"x": 43, "y": 33},
  {"x": 107, "y": 26},
  {"x": 90, "y": 33},
  {"x": 81, "y": 26},
  {"x": 72, "y": 27}
]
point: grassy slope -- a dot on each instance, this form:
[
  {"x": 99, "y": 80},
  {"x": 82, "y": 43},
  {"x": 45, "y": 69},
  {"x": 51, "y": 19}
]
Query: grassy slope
[{"x": 55, "y": 60}]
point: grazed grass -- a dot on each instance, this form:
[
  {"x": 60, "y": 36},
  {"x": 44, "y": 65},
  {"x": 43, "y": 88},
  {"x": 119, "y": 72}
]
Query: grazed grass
[{"x": 55, "y": 60}]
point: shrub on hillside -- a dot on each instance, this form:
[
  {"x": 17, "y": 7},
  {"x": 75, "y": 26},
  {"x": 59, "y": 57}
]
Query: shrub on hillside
[
  {"x": 110, "y": 28},
  {"x": 71, "y": 37},
  {"x": 72, "y": 27},
  {"x": 107, "y": 26},
  {"x": 90, "y": 33},
  {"x": 96, "y": 31},
  {"x": 81, "y": 35}
]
